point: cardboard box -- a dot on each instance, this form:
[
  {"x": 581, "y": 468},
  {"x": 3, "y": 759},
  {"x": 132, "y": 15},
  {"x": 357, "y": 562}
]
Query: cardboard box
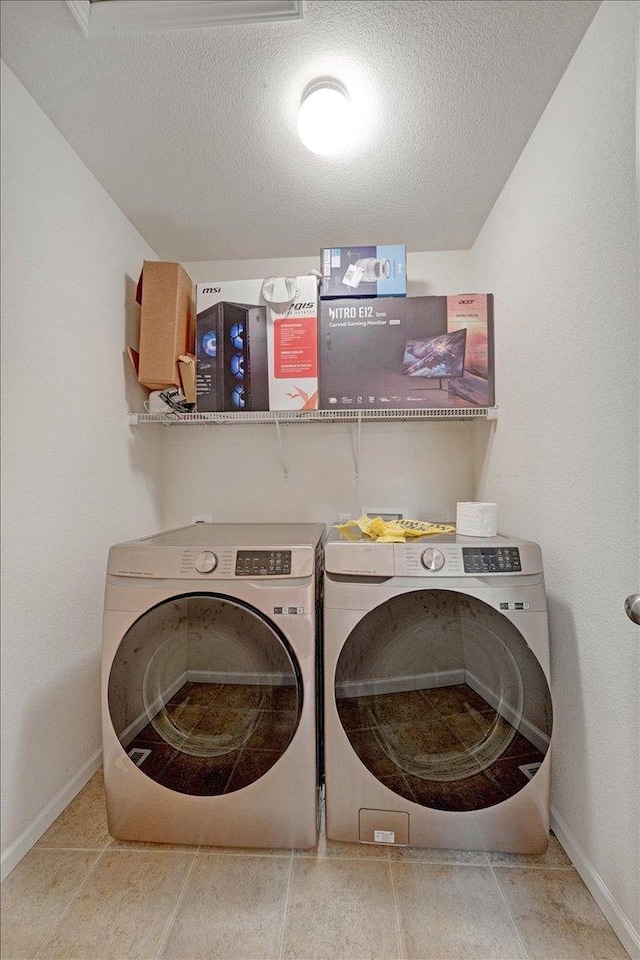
[
  {"x": 254, "y": 354},
  {"x": 165, "y": 294},
  {"x": 415, "y": 353},
  {"x": 363, "y": 271},
  {"x": 187, "y": 367}
]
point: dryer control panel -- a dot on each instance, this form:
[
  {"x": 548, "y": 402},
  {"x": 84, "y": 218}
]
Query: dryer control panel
[{"x": 491, "y": 560}]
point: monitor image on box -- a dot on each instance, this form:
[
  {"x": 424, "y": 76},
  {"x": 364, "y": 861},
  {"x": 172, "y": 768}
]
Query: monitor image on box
[{"x": 436, "y": 358}]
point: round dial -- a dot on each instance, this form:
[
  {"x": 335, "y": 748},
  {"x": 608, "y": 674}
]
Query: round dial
[
  {"x": 432, "y": 559},
  {"x": 206, "y": 562}
]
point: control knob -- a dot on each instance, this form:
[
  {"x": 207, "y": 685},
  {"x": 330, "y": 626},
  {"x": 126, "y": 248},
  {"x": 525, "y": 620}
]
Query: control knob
[
  {"x": 206, "y": 562},
  {"x": 432, "y": 559}
]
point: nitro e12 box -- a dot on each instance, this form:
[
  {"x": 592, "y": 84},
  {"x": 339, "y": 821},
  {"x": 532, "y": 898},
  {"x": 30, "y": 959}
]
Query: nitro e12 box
[
  {"x": 411, "y": 353},
  {"x": 257, "y": 352}
]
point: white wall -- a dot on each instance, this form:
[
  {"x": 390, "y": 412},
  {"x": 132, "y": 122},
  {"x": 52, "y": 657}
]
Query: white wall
[
  {"x": 235, "y": 472},
  {"x": 75, "y": 478},
  {"x": 560, "y": 253}
]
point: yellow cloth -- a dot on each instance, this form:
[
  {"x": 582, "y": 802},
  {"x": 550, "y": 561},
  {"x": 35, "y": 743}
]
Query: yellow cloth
[{"x": 391, "y": 531}]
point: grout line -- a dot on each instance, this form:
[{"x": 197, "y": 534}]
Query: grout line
[
  {"x": 67, "y": 907},
  {"x": 164, "y": 936},
  {"x": 321, "y": 858},
  {"x": 396, "y": 908},
  {"x": 51, "y": 849},
  {"x": 534, "y": 866},
  {"x": 286, "y": 909},
  {"x": 525, "y": 952},
  {"x": 204, "y": 851},
  {"x": 212, "y": 851}
]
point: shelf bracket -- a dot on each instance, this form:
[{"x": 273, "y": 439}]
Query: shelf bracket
[
  {"x": 283, "y": 458},
  {"x": 356, "y": 452}
]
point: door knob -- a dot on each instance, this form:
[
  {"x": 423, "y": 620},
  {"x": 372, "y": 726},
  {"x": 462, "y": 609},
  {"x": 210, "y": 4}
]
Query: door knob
[{"x": 632, "y": 607}]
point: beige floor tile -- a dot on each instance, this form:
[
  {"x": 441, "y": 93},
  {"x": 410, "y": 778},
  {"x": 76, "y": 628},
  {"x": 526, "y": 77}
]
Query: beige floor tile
[
  {"x": 429, "y": 855},
  {"x": 553, "y": 857},
  {"x": 337, "y": 850},
  {"x": 35, "y": 895},
  {"x": 84, "y": 822},
  {"x": 232, "y": 909},
  {"x": 122, "y": 909},
  {"x": 280, "y": 852},
  {"x": 340, "y": 910},
  {"x": 556, "y": 915},
  {"x": 452, "y": 912},
  {"x": 148, "y": 845}
]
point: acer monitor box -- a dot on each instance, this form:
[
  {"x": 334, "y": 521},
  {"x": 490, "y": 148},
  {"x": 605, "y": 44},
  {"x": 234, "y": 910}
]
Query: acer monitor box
[
  {"x": 253, "y": 354},
  {"x": 411, "y": 353}
]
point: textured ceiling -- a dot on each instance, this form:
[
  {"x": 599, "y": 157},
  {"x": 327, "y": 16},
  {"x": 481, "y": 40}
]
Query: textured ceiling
[{"x": 193, "y": 133}]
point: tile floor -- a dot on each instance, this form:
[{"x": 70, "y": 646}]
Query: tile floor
[
  {"x": 245, "y": 728},
  {"x": 401, "y": 736},
  {"x": 81, "y": 894}
]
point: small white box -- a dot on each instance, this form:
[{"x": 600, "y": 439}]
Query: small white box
[{"x": 475, "y": 519}]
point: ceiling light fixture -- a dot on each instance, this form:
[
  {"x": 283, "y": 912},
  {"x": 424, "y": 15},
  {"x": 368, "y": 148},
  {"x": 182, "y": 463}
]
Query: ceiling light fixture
[{"x": 325, "y": 120}]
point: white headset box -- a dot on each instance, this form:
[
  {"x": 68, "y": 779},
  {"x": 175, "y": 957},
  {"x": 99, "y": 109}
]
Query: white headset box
[{"x": 290, "y": 306}]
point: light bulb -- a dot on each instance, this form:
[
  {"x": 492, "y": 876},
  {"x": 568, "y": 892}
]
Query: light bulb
[{"x": 325, "y": 118}]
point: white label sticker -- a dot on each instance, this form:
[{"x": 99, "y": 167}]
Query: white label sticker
[
  {"x": 353, "y": 276},
  {"x": 384, "y": 836}
]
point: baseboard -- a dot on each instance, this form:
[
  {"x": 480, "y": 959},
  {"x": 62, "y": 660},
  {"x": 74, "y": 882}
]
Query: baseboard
[
  {"x": 20, "y": 847},
  {"x": 620, "y": 923},
  {"x": 533, "y": 734},
  {"x": 401, "y": 684},
  {"x": 250, "y": 679}
]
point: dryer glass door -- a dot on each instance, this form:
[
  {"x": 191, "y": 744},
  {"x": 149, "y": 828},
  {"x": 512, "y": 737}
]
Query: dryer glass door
[
  {"x": 443, "y": 700},
  {"x": 204, "y": 694}
]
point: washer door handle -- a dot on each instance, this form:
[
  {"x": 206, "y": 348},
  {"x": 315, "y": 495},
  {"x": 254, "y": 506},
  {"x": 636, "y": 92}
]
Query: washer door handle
[{"x": 632, "y": 607}]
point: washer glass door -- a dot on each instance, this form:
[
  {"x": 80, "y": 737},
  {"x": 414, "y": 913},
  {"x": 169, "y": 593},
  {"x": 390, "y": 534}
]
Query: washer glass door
[
  {"x": 443, "y": 700},
  {"x": 204, "y": 694}
]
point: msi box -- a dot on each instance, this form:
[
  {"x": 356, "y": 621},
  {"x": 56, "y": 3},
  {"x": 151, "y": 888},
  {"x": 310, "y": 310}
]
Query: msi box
[
  {"x": 363, "y": 271},
  {"x": 255, "y": 352},
  {"x": 411, "y": 353}
]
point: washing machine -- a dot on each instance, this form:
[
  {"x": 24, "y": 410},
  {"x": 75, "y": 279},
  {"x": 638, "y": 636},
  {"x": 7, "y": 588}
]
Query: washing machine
[
  {"x": 438, "y": 714},
  {"x": 209, "y": 686}
]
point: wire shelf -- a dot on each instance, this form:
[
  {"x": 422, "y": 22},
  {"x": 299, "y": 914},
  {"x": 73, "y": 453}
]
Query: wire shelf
[{"x": 319, "y": 416}]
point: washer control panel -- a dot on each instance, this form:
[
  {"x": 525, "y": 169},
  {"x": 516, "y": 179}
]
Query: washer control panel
[
  {"x": 263, "y": 563},
  {"x": 491, "y": 560},
  {"x": 221, "y": 562}
]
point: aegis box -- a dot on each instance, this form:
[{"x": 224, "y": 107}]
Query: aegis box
[{"x": 231, "y": 356}]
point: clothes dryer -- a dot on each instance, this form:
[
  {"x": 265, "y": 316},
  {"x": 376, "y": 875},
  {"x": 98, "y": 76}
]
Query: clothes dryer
[
  {"x": 438, "y": 712},
  {"x": 209, "y": 686}
]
